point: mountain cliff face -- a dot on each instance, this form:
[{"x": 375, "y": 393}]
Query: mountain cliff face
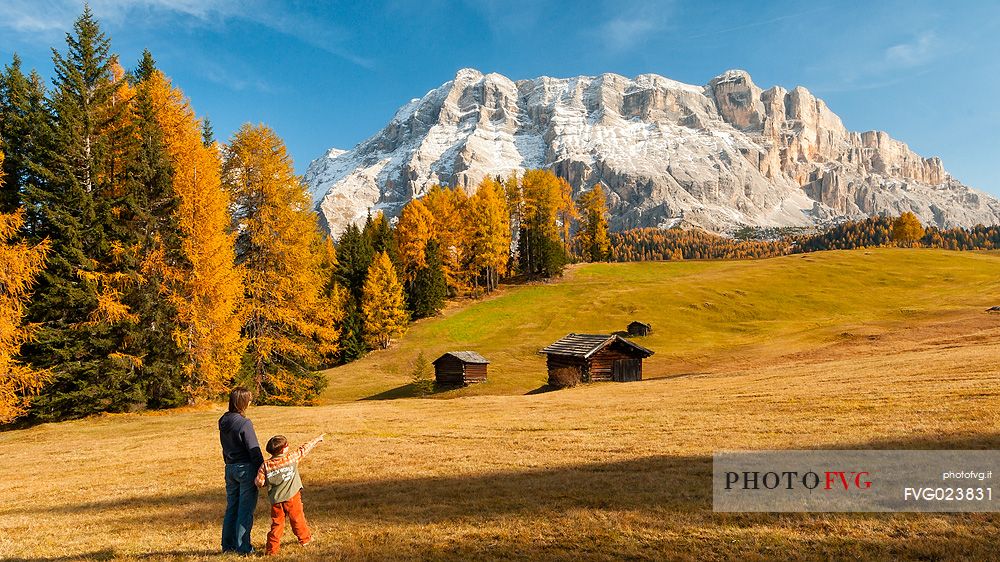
[{"x": 719, "y": 157}]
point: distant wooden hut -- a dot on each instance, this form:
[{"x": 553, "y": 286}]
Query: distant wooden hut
[
  {"x": 595, "y": 357},
  {"x": 637, "y": 328},
  {"x": 460, "y": 368}
]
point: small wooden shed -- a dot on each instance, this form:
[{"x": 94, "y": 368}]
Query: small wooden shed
[
  {"x": 596, "y": 357},
  {"x": 460, "y": 368},
  {"x": 637, "y": 328}
]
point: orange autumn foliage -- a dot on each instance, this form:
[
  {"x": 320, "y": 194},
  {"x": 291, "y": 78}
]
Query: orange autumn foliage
[
  {"x": 291, "y": 320},
  {"x": 208, "y": 290},
  {"x": 19, "y": 264}
]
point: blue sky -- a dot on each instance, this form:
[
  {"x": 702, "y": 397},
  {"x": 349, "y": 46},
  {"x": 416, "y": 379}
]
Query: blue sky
[{"x": 330, "y": 74}]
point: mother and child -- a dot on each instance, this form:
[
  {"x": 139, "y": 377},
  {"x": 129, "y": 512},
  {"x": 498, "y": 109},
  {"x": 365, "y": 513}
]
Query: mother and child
[{"x": 246, "y": 471}]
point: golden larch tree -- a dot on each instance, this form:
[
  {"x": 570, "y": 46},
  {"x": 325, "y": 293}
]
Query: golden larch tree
[
  {"x": 19, "y": 264},
  {"x": 490, "y": 238},
  {"x": 594, "y": 241},
  {"x": 116, "y": 119},
  {"x": 208, "y": 289},
  {"x": 449, "y": 207},
  {"x": 290, "y": 324},
  {"x": 907, "y": 230},
  {"x": 414, "y": 229},
  {"x": 566, "y": 212},
  {"x": 382, "y": 306},
  {"x": 514, "y": 198},
  {"x": 543, "y": 223},
  {"x": 541, "y": 201}
]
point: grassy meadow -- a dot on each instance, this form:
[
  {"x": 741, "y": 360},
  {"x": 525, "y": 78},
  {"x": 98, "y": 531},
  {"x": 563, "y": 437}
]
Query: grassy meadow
[
  {"x": 707, "y": 316},
  {"x": 863, "y": 349}
]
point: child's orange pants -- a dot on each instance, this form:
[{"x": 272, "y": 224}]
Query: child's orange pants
[{"x": 297, "y": 517}]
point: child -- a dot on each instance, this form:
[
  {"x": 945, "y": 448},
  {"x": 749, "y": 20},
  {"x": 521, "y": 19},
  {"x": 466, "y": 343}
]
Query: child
[{"x": 281, "y": 473}]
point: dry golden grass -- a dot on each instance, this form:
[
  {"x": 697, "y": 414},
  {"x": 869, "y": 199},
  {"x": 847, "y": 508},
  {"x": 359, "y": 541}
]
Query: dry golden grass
[{"x": 607, "y": 471}]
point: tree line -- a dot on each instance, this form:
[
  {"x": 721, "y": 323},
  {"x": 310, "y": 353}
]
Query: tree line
[
  {"x": 656, "y": 244},
  {"x": 904, "y": 230},
  {"x": 653, "y": 244},
  {"x": 448, "y": 243}
]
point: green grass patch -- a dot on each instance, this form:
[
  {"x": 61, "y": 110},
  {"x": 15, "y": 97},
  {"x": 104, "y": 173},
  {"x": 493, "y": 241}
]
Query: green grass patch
[{"x": 702, "y": 312}]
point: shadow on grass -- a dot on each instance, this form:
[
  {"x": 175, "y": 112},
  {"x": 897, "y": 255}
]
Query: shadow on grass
[
  {"x": 667, "y": 496},
  {"x": 673, "y": 376},
  {"x": 549, "y": 388},
  {"x": 112, "y": 554},
  {"x": 412, "y": 390},
  {"x": 542, "y": 390}
]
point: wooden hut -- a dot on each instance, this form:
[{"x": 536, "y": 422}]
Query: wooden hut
[
  {"x": 460, "y": 368},
  {"x": 637, "y": 328},
  {"x": 596, "y": 357}
]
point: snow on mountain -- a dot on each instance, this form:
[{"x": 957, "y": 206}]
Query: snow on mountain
[{"x": 719, "y": 156}]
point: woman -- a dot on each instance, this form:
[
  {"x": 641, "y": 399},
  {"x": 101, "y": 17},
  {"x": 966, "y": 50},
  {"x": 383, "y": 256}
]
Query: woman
[{"x": 243, "y": 458}]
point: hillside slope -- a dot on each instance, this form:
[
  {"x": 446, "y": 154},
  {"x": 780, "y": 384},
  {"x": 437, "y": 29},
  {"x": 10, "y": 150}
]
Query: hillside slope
[
  {"x": 717, "y": 156},
  {"x": 707, "y": 316},
  {"x": 813, "y": 357}
]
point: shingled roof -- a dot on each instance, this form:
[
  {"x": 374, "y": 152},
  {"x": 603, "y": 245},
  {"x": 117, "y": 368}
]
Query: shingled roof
[
  {"x": 585, "y": 345},
  {"x": 465, "y": 357}
]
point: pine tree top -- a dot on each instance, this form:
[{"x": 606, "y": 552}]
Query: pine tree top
[
  {"x": 207, "y": 133},
  {"x": 146, "y": 67}
]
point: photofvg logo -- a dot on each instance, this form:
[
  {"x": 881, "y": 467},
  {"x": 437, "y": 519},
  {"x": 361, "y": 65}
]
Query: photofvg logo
[
  {"x": 834, "y": 480},
  {"x": 831, "y": 480}
]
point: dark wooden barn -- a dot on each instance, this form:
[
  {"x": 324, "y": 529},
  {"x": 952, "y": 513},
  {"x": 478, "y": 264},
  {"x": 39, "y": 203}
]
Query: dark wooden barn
[
  {"x": 595, "y": 357},
  {"x": 637, "y": 328},
  {"x": 460, "y": 368}
]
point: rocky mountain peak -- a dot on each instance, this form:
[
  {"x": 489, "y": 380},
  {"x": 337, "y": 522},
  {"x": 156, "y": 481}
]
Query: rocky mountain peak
[
  {"x": 719, "y": 156},
  {"x": 738, "y": 99},
  {"x": 467, "y": 75}
]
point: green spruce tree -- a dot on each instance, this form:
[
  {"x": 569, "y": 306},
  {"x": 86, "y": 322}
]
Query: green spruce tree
[
  {"x": 83, "y": 324},
  {"x": 14, "y": 130},
  {"x": 380, "y": 236},
  {"x": 207, "y": 134},
  {"x": 427, "y": 292},
  {"x": 25, "y": 136},
  {"x": 155, "y": 237},
  {"x": 145, "y": 69},
  {"x": 352, "y": 333},
  {"x": 354, "y": 257}
]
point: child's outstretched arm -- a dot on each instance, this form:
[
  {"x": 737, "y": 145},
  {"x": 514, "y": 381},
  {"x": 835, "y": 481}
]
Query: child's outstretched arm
[{"x": 304, "y": 449}]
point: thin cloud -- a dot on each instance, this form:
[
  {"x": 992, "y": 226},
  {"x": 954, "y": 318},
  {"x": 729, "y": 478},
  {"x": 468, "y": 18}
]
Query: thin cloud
[
  {"x": 326, "y": 36},
  {"x": 622, "y": 34},
  {"x": 758, "y": 23},
  {"x": 25, "y": 16},
  {"x": 505, "y": 17},
  {"x": 239, "y": 81},
  {"x": 41, "y": 21},
  {"x": 920, "y": 50},
  {"x": 634, "y": 23},
  {"x": 32, "y": 16},
  {"x": 895, "y": 63},
  {"x": 200, "y": 9},
  {"x": 856, "y": 84}
]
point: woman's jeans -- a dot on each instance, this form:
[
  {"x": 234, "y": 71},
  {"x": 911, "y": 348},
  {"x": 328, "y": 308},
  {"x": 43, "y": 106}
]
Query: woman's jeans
[{"x": 241, "y": 500}]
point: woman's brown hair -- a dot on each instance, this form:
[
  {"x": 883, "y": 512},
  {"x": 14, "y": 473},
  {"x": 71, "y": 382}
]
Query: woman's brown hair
[{"x": 239, "y": 400}]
